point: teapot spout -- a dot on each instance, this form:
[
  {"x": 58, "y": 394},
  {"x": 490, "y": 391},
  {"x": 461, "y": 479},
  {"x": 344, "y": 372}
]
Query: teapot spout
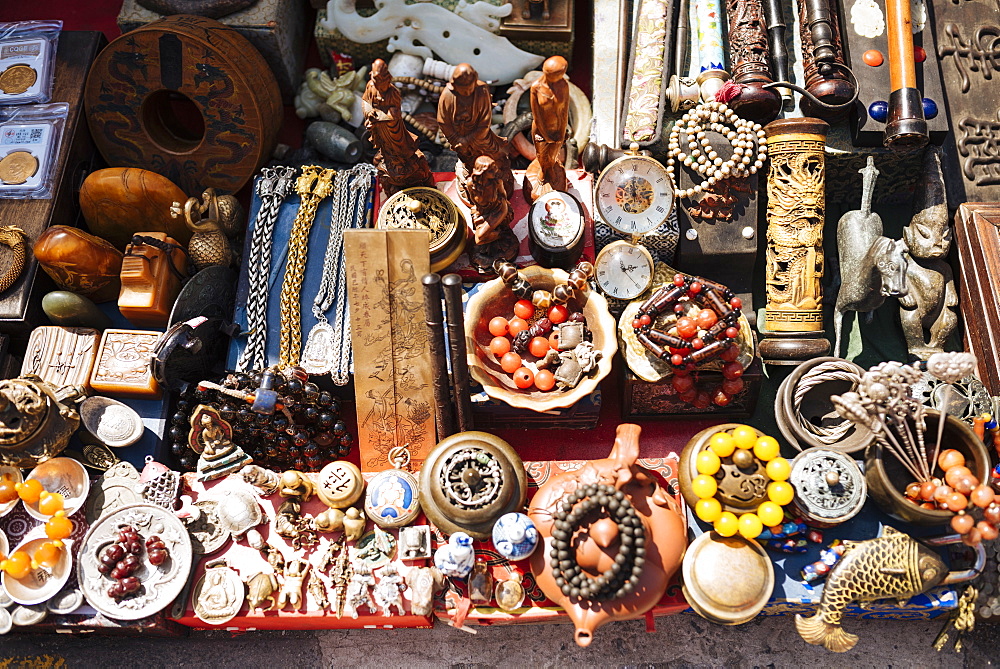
[{"x": 583, "y": 637}]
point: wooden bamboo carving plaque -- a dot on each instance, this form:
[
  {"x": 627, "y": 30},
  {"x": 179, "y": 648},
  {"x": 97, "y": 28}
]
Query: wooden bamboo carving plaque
[
  {"x": 392, "y": 366},
  {"x": 61, "y": 356}
]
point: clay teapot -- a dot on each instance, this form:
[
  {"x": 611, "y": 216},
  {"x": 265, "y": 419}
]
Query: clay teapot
[{"x": 596, "y": 543}]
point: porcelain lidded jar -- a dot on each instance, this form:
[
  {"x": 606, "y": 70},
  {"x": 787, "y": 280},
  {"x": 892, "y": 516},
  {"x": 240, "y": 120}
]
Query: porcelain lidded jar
[
  {"x": 456, "y": 558},
  {"x": 515, "y": 536}
]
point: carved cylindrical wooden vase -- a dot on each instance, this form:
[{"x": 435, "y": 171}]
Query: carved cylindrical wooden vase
[
  {"x": 795, "y": 213},
  {"x": 749, "y": 51}
]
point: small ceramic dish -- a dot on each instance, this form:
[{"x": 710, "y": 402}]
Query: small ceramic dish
[
  {"x": 15, "y": 474},
  {"x": 115, "y": 424},
  {"x": 40, "y": 585},
  {"x": 494, "y": 298},
  {"x": 65, "y": 476}
]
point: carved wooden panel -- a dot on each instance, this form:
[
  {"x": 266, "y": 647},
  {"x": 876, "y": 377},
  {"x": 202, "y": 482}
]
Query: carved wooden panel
[
  {"x": 61, "y": 356},
  {"x": 977, "y": 238},
  {"x": 968, "y": 49}
]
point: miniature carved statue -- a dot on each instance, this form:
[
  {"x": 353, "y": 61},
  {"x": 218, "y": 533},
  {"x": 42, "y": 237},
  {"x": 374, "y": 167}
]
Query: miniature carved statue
[
  {"x": 400, "y": 163},
  {"x": 389, "y": 589},
  {"x": 291, "y": 584},
  {"x": 260, "y": 590},
  {"x": 465, "y": 111},
  {"x": 927, "y": 310},
  {"x": 359, "y": 589},
  {"x": 550, "y": 111},
  {"x": 317, "y": 589},
  {"x": 218, "y": 455},
  {"x": 535, "y": 8},
  {"x": 491, "y": 215},
  {"x": 872, "y": 267}
]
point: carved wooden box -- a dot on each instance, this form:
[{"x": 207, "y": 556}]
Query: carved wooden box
[
  {"x": 61, "y": 356},
  {"x": 977, "y": 238},
  {"x": 122, "y": 367}
]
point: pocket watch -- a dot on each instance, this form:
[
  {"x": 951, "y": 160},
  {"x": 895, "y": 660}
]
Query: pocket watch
[
  {"x": 624, "y": 270},
  {"x": 634, "y": 195}
]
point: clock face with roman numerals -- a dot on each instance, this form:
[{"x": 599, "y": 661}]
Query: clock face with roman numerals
[
  {"x": 634, "y": 195},
  {"x": 623, "y": 270}
]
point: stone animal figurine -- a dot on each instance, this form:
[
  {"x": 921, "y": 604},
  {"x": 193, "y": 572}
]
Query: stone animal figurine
[
  {"x": 359, "y": 589},
  {"x": 389, "y": 590},
  {"x": 424, "y": 582},
  {"x": 927, "y": 308},
  {"x": 872, "y": 267}
]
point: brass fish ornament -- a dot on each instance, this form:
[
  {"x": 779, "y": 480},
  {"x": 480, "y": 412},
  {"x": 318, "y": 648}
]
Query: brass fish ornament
[{"x": 891, "y": 566}]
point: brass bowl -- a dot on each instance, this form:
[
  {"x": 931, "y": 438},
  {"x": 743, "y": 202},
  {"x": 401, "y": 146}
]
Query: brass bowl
[
  {"x": 65, "y": 476},
  {"x": 887, "y": 478},
  {"x": 496, "y": 299},
  {"x": 15, "y": 474},
  {"x": 40, "y": 585}
]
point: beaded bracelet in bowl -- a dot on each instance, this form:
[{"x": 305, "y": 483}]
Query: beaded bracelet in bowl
[
  {"x": 623, "y": 576},
  {"x": 543, "y": 299}
]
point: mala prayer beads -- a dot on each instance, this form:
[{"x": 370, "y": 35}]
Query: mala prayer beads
[
  {"x": 623, "y": 575},
  {"x": 696, "y": 336},
  {"x": 543, "y": 299},
  {"x": 281, "y": 421}
]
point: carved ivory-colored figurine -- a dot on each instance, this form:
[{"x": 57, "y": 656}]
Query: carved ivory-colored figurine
[{"x": 795, "y": 213}]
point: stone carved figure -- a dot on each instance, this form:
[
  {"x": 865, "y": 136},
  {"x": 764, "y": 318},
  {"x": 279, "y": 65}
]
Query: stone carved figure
[
  {"x": 359, "y": 589},
  {"x": 465, "y": 111},
  {"x": 927, "y": 309},
  {"x": 550, "y": 112},
  {"x": 795, "y": 214},
  {"x": 400, "y": 163},
  {"x": 424, "y": 582},
  {"x": 872, "y": 267}
]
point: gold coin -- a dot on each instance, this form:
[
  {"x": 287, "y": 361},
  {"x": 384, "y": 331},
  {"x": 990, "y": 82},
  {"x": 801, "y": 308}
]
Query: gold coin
[
  {"x": 17, "y": 167},
  {"x": 16, "y": 79}
]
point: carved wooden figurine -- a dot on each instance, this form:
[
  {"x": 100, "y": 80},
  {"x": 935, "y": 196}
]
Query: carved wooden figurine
[
  {"x": 795, "y": 214},
  {"x": 927, "y": 310},
  {"x": 491, "y": 214},
  {"x": 465, "y": 111},
  {"x": 550, "y": 111},
  {"x": 400, "y": 163}
]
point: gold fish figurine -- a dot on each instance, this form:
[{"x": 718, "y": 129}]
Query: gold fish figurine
[{"x": 893, "y": 565}]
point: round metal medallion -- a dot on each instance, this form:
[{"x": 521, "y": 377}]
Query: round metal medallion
[
  {"x": 17, "y": 79},
  {"x": 114, "y": 489},
  {"x": 207, "y": 533},
  {"x": 829, "y": 486},
  {"x": 218, "y": 595},
  {"x": 393, "y": 498},
  {"x": 117, "y": 425},
  {"x": 339, "y": 484},
  {"x": 469, "y": 480},
  {"x": 727, "y": 580}
]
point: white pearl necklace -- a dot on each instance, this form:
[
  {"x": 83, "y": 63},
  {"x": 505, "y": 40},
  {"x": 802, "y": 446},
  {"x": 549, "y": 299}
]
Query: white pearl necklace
[{"x": 703, "y": 158}]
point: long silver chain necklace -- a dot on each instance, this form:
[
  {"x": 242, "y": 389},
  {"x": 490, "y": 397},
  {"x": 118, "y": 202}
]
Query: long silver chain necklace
[
  {"x": 273, "y": 187},
  {"x": 328, "y": 347}
]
